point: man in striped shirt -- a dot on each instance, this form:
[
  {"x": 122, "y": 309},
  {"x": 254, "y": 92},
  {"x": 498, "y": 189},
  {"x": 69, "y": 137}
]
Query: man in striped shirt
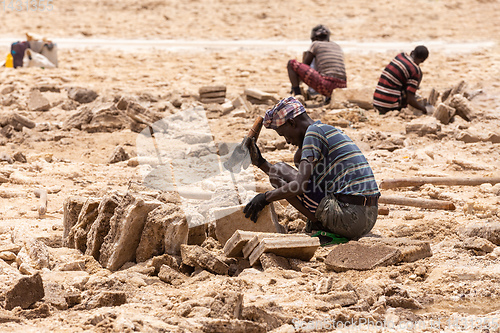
[
  {"x": 399, "y": 82},
  {"x": 334, "y": 186},
  {"x": 329, "y": 72}
]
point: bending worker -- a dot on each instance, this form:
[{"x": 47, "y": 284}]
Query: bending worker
[
  {"x": 399, "y": 82},
  {"x": 329, "y": 63},
  {"x": 334, "y": 186}
]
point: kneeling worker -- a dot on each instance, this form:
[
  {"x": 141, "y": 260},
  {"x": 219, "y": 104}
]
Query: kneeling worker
[{"x": 334, "y": 186}]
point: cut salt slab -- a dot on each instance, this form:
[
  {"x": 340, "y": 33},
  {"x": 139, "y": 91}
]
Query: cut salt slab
[
  {"x": 230, "y": 219},
  {"x": 361, "y": 257},
  {"x": 411, "y": 249},
  {"x": 289, "y": 247},
  {"x": 234, "y": 245},
  {"x": 125, "y": 232},
  {"x": 254, "y": 242}
]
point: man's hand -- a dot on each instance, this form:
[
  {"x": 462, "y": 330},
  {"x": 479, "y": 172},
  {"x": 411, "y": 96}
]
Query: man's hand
[
  {"x": 255, "y": 154},
  {"x": 253, "y": 208}
]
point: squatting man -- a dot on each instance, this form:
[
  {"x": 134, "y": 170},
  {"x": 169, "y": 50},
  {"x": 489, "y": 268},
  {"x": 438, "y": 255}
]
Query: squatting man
[{"x": 334, "y": 186}]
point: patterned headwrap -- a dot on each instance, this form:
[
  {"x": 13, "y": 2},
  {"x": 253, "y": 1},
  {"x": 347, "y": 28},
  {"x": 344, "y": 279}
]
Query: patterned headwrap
[{"x": 287, "y": 108}]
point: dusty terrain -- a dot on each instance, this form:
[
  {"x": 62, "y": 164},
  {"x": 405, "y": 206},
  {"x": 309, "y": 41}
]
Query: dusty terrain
[{"x": 457, "y": 285}]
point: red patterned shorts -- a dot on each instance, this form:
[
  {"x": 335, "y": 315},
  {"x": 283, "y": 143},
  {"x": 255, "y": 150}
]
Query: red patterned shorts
[{"x": 322, "y": 84}]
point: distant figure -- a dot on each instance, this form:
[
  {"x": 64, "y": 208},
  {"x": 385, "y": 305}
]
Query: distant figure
[
  {"x": 399, "y": 82},
  {"x": 329, "y": 72}
]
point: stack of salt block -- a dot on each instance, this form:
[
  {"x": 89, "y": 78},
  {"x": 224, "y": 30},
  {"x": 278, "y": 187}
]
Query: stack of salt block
[
  {"x": 212, "y": 94},
  {"x": 454, "y": 101},
  {"x": 251, "y": 245}
]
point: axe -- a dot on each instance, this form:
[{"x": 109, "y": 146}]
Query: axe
[{"x": 240, "y": 156}]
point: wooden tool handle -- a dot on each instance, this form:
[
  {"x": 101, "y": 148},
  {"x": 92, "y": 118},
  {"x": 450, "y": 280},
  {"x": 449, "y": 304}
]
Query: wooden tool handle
[{"x": 255, "y": 130}]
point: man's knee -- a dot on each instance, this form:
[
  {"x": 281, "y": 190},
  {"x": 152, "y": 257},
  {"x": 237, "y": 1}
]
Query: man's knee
[{"x": 290, "y": 64}]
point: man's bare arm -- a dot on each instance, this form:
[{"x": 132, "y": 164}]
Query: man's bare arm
[
  {"x": 297, "y": 186},
  {"x": 307, "y": 58},
  {"x": 411, "y": 99}
]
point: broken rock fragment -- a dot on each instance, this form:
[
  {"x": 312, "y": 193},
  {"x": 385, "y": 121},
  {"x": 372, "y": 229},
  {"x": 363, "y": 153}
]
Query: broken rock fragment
[
  {"x": 25, "y": 292},
  {"x": 196, "y": 256},
  {"x": 169, "y": 275},
  {"x": 82, "y": 95},
  {"x": 119, "y": 155},
  {"x": 37, "y": 102}
]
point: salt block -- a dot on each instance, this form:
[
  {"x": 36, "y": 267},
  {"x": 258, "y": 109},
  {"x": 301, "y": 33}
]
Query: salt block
[
  {"x": 230, "y": 219},
  {"x": 72, "y": 207},
  {"x": 100, "y": 227},
  {"x": 361, "y": 257},
  {"x": 234, "y": 245},
  {"x": 297, "y": 247},
  {"x": 126, "y": 227},
  {"x": 411, "y": 249},
  {"x": 423, "y": 126},
  {"x": 254, "y": 242},
  {"x": 211, "y": 89},
  {"x": 214, "y": 94},
  {"x": 217, "y": 100}
]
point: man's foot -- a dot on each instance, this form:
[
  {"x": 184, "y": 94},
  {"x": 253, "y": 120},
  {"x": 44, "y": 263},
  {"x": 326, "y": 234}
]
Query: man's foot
[
  {"x": 295, "y": 91},
  {"x": 310, "y": 226}
]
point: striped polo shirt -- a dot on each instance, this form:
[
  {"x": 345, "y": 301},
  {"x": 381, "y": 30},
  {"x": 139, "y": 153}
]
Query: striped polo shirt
[
  {"x": 401, "y": 74},
  {"x": 329, "y": 59},
  {"x": 340, "y": 167}
]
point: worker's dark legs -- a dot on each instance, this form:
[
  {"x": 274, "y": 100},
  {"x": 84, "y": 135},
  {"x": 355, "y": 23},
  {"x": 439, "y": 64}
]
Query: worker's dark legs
[
  {"x": 294, "y": 79},
  {"x": 281, "y": 174}
]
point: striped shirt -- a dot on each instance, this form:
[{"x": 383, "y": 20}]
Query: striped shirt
[
  {"x": 401, "y": 74},
  {"x": 329, "y": 59},
  {"x": 340, "y": 167}
]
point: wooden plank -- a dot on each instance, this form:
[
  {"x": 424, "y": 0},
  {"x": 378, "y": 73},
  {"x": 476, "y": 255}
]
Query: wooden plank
[
  {"x": 449, "y": 181},
  {"x": 416, "y": 202}
]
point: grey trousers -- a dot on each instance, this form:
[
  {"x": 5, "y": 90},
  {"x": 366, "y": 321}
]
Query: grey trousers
[{"x": 347, "y": 220}]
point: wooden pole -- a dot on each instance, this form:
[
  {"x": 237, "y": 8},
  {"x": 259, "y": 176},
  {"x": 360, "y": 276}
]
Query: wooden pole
[
  {"x": 416, "y": 202},
  {"x": 449, "y": 181}
]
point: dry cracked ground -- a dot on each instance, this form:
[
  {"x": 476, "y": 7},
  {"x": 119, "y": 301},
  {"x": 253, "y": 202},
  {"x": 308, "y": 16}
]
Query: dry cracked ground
[{"x": 106, "y": 255}]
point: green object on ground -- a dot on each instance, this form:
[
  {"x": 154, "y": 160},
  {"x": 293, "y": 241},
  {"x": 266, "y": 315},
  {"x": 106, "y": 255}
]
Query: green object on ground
[{"x": 327, "y": 238}]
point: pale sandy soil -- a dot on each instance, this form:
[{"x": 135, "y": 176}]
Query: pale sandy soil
[{"x": 457, "y": 283}]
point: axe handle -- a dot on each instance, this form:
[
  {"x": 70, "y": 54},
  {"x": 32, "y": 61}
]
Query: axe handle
[{"x": 255, "y": 130}]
